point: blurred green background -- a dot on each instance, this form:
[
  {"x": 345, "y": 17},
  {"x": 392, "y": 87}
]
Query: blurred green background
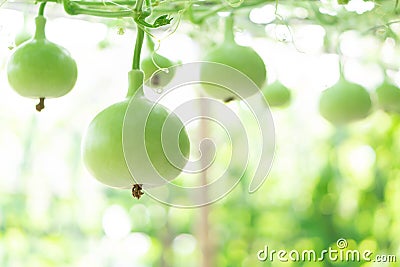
[{"x": 326, "y": 182}]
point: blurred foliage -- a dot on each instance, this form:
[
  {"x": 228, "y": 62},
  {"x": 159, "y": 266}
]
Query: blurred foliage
[{"x": 326, "y": 183}]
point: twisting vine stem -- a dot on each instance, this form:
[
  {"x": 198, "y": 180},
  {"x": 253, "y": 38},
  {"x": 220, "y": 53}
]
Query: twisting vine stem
[{"x": 229, "y": 35}]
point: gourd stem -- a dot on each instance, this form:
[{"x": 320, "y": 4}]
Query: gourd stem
[
  {"x": 135, "y": 81},
  {"x": 139, "y": 6},
  {"x": 148, "y": 5},
  {"x": 41, "y": 8},
  {"x": 139, "y": 38},
  {"x": 138, "y": 48},
  {"x": 229, "y": 35}
]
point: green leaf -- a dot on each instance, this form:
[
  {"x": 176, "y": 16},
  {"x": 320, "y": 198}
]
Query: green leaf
[{"x": 162, "y": 21}]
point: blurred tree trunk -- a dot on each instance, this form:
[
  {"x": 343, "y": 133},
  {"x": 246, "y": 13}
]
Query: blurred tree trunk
[
  {"x": 206, "y": 246},
  {"x": 166, "y": 237}
]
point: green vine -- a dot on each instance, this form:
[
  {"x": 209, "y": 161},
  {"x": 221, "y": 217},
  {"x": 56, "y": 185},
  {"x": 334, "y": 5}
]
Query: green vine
[
  {"x": 108, "y": 11},
  {"x": 150, "y": 43},
  {"x": 41, "y": 8},
  {"x": 138, "y": 49},
  {"x": 139, "y": 37},
  {"x": 123, "y": 8}
]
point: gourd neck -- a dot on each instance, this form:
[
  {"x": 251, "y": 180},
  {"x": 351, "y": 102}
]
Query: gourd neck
[
  {"x": 229, "y": 36},
  {"x": 40, "y": 32},
  {"x": 150, "y": 43},
  {"x": 135, "y": 82},
  {"x": 342, "y": 79}
]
